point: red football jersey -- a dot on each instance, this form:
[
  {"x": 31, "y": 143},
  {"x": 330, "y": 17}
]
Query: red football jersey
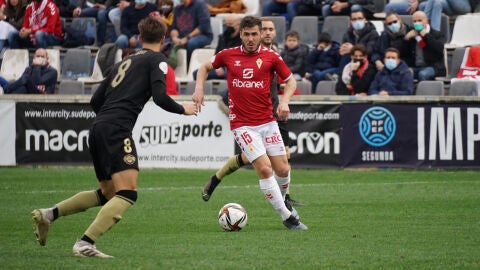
[{"x": 249, "y": 76}]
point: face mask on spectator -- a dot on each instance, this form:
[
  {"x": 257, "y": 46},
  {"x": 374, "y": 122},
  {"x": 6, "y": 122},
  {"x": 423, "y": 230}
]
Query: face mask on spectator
[
  {"x": 41, "y": 59},
  {"x": 391, "y": 64},
  {"x": 358, "y": 25},
  {"x": 394, "y": 27},
  {"x": 166, "y": 9},
  {"x": 418, "y": 26},
  {"x": 177, "y": 2},
  {"x": 140, "y": 2}
]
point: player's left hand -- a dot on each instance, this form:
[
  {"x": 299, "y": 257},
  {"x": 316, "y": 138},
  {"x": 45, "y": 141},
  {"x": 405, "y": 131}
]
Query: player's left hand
[
  {"x": 283, "y": 111},
  {"x": 190, "y": 108}
]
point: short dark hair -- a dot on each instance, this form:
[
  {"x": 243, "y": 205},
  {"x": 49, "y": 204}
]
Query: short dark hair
[
  {"x": 391, "y": 49},
  {"x": 355, "y": 11},
  {"x": 324, "y": 37},
  {"x": 249, "y": 22},
  {"x": 292, "y": 33},
  {"x": 151, "y": 30},
  {"x": 359, "y": 47}
]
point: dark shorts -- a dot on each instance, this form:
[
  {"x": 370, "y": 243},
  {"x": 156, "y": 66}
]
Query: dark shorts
[
  {"x": 112, "y": 149},
  {"x": 282, "y": 125}
]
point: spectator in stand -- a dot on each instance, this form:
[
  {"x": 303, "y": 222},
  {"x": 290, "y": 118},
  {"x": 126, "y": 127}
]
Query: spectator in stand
[
  {"x": 309, "y": 7},
  {"x": 435, "y": 8},
  {"x": 279, "y": 7},
  {"x": 322, "y": 60},
  {"x": 393, "y": 36},
  {"x": 295, "y": 54},
  {"x": 361, "y": 31},
  {"x": 41, "y": 26},
  {"x": 99, "y": 10},
  {"x": 66, "y": 8},
  {"x": 115, "y": 14},
  {"x": 357, "y": 75},
  {"x": 191, "y": 25},
  {"x": 395, "y": 79},
  {"x": 228, "y": 39},
  {"x": 404, "y": 7},
  {"x": 428, "y": 45},
  {"x": 38, "y": 78},
  {"x": 166, "y": 12},
  {"x": 345, "y": 7},
  {"x": 11, "y": 20},
  {"x": 131, "y": 16}
]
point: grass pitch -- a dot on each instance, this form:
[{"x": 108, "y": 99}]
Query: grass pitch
[{"x": 385, "y": 219}]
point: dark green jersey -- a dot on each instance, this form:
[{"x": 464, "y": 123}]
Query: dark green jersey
[{"x": 122, "y": 95}]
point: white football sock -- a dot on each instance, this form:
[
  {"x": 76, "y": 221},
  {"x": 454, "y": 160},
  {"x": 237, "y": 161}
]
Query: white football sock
[
  {"x": 283, "y": 183},
  {"x": 272, "y": 192}
]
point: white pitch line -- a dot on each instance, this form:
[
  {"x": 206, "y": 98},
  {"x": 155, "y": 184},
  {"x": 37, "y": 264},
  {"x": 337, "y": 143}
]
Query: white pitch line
[{"x": 199, "y": 187}]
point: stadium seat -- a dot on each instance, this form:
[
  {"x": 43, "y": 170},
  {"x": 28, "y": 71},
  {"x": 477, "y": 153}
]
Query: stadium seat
[
  {"x": 325, "y": 88},
  {"x": 307, "y": 28},
  {"x": 88, "y": 25},
  {"x": 71, "y": 87},
  {"x": 199, "y": 56},
  {"x": 218, "y": 86},
  {"x": 379, "y": 25},
  {"x": 217, "y": 29},
  {"x": 280, "y": 26},
  {"x": 430, "y": 88},
  {"x": 76, "y": 63},
  {"x": 304, "y": 87},
  {"x": 463, "y": 33},
  {"x": 181, "y": 69},
  {"x": 253, "y": 7},
  {"x": 14, "y": 64},
  {"x": 54, "y": 60},
  {"x": 463, "y": 88},
  {"x": 455, "y": 61},
  {"x": 336, "y": 26}
]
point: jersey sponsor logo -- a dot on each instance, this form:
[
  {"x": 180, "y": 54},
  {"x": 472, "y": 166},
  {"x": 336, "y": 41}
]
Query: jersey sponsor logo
[
  {"x": 275, "y": 138},
  {"x": 247, "y": 74}
]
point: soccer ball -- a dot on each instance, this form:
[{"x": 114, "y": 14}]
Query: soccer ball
[{"x": 232, "y": 217}]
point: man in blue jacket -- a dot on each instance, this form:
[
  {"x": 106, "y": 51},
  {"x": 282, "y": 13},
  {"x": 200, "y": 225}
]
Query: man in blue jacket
[{"x": 394, "y": 79}]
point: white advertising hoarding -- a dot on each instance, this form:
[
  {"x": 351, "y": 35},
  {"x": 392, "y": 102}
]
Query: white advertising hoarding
[
  {"x": 166, "y": 140},
  {"x": 7, "y": 133}
]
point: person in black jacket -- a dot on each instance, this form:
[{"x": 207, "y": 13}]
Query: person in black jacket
[
  {"x": 322, "y": 60},
  {"x": 393, "y": 37},
  {"x": 38, "y": 78},
  {"x": 361, "y": 31},
  {"x": 357, "y": 75},
  {"x": 427, "y": 49},
  {"x": 295, "y": 54}
]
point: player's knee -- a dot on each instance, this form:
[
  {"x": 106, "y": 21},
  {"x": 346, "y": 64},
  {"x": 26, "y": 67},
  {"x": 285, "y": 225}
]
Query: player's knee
[
  {"x": 102, "y": 198},
  {"x": 130, "y": 195}
]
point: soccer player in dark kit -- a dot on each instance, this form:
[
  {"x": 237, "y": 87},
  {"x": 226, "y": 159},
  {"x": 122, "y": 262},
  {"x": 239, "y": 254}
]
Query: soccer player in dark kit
[{"x": 118, "y": 101}]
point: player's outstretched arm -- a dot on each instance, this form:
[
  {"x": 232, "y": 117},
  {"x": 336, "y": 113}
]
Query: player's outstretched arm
[
  {"x": 198, "y": 95},
  {"x": 283, "y": 109}
]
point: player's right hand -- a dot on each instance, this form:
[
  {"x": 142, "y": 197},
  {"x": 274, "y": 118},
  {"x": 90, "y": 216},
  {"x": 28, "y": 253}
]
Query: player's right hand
[
  {"x": 190, "y": 108},
  {"x": 198, "y": 99}
]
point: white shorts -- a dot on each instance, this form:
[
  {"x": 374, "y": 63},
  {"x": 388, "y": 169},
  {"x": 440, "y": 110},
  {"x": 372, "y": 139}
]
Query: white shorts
[{"x": 258, "y": 140}]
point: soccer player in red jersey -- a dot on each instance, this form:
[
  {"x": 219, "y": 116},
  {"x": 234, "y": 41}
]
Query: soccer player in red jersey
[{"x": 250, "y": 72}]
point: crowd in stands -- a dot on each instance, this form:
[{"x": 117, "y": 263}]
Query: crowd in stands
[{"x": 366, "y": 61}]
